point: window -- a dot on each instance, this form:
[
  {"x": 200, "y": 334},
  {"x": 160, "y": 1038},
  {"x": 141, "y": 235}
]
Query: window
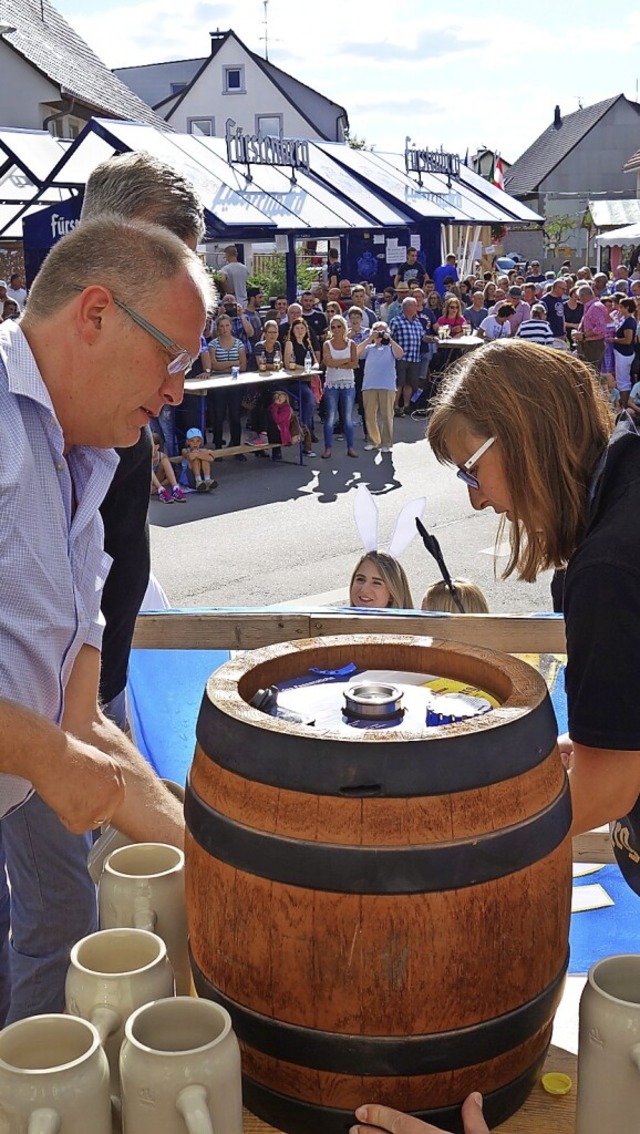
[
  {"x": 203, "y": 126},
  {"x": 177, "y": 88},
  {"x": 269, "y": 125},
  {"x": 233, "y": 80}
]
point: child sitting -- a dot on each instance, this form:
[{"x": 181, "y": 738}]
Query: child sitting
[
  {"x": 162, "y": 474},
  {"x": 438, "y": 597},
  {"x": 284, "y": 419},
  {"x": 199, "y": 461}
]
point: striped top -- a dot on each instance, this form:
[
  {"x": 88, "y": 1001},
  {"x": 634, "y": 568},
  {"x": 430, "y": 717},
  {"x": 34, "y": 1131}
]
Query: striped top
[
  {"x": 227, "y": 354},
  {"x": 535, "y": 331}
]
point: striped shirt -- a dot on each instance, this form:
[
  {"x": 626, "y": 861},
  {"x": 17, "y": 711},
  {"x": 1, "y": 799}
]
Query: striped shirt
[
  {"x": 52, "y": 565},
  {"x": 536, "y": 331},
  {"x": 227, "y": 354}
]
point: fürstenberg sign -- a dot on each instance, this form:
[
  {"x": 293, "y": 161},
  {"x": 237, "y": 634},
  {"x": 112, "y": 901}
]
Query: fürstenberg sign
[
  {"x": 431, "y": 161},
  {"x": 254, "y": 149}
]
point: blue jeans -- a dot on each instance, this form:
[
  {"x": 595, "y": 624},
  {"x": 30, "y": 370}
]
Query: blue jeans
[
  {"x": 53, "y": 904},
  {"x": 307, "y": 402},
  {"x": 343, "y": 398}
]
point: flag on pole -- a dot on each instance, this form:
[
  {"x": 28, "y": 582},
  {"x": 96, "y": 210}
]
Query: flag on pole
[{"x": 498, "y": 172}]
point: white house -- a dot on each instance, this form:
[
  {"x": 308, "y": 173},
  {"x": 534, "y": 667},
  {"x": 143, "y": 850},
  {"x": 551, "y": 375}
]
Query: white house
[
  {"x": 199, "y": 96},
  {"x": 50, "y": 79}
]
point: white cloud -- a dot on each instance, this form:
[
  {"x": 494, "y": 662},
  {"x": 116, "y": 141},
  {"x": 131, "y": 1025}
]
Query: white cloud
[{"x": 493, "y": 78}]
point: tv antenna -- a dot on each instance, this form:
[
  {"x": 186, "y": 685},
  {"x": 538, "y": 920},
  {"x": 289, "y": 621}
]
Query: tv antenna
[{"x": 265, "y": 24}]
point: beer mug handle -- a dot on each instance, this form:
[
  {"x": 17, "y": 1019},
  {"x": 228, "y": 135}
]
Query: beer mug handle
[
  {"x": 44, "y": 1121},
  {"x": 106, "y": 1022},
  {"x": 192, "y": 1105}
]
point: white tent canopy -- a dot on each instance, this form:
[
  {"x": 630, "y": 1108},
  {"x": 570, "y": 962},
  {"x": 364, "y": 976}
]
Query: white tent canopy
[{"x": 622, "y": 237}]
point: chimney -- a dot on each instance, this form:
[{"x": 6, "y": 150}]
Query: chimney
[
  {"x": 557, "y": 120},
  {"x": 216, "y": 36}
]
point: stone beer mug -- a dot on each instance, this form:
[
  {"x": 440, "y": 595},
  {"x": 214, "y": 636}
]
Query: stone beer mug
[
  {"x": 54, "y": 1078},
  {"x": 609, "y": 1048},
  {"x": 111, "y": 838},
  {"x": 112, "y": 973},
  {"x": 142, "y": 887},
  {"x": 180, "y": 1070}
]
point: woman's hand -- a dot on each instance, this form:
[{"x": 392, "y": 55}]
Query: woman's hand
[{"x": 384, "y": 1120}]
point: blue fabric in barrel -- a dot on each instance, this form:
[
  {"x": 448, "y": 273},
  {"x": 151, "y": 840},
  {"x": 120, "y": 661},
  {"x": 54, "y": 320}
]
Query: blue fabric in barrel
[
  {"x": 164, "y": 692},
  {"x": 601, "y": 933}
]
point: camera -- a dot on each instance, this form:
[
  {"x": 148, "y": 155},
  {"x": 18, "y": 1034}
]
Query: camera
[
  {"x": 383, "y": 337},
  {"x": 231, "y": 308}
]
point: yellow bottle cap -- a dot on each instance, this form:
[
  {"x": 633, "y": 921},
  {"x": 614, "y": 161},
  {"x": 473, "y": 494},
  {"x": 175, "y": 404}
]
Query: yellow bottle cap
[{"x": 555, "y": 1083}]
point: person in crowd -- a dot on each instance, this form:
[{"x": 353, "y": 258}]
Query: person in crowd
[
  {"x": 295, "y": 353},
  {"x": 340, "y": 356},
  {"x": 268, "y": 350},
  {"x": 10, "y": 310},
  {"x": 386, "y": 304},
  {"x": 438, "y": 597},
  {"x": 395, "y": 308},
  {"x": 333, "y": 308},
  {"x": 112, "y": 324},
  {"x": 379, "y": 353},
  {"x": 411, "y": 269},
  {"x": 584, "y": 273},
  {"x": 534, "y": 275},
  {"x": 445, "y": 273},
  {"x": 316, "y": 319},
  {"x": 379, "y": 582},
  {"x": 199, "y": 460},
  {"x": 407, "y": 330},
  {"x": 600, "y": 284},
  {"x": 536, "y": 329},
  {"x": 283, "y": 420},
  {"x": 477, "y": 311},
  {"x": 489, "y": 295},
  {"x": 620, "y": 281},
  {"x": 16, "y": 290},
  {"x": 358, "y": 333},
  {"x": 553, "y": 301},
  {"x": 252, "y": 313},
  {"x": 590, "y": 336},
  {"x": 359, "y": 296},
  {"x": 496, "y": 326},
  {"x": 521, "y": 309},
  {"x": 242, "y": 327},
  {"x": 428, "y": 319},
  {"x": 608, "y": 364},
  {"x": 162, "y": 474},
  {"x": 344, "y": 288},
  {"x": 226, "y": 351},
  {"x": 451, "y": 317},
  {"x": 624, "y": 348},
  {"x": 281, "y": 308},
  {"x": 573, "y": 312},
  {"x": 567, "y": 478},
  {"x": 3, "y": 291},
  {"x": 434, "y": 302},
  {"x": 298, "y": 344},
  {"x": 234, "y": 275},
  {"x": 320, "y": 293},
  {"x": 334, "y": 270}
]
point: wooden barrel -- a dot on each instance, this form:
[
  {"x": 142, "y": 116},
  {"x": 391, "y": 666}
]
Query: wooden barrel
[{"x": 385, "y": 914}]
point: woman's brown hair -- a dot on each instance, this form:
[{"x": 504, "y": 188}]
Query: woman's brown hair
[{"x": 551, "y": 424}]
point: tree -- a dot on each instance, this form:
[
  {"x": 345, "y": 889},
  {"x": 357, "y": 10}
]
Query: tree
[
  {"x": 355, "y": 142},
  {"x": 557, "y": 229}
]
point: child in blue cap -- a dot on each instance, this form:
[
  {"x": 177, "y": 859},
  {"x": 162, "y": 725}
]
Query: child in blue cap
[{"x": 199, "y": 460}]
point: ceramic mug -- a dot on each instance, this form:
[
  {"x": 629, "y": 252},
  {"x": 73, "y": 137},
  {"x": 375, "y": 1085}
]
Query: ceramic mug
[
  {"x": 54, "y": 1075},
  {"x": 609, "y": 1048},
  {"x": 112, "y": 973},
  {"x": 142, "y": 887},
  {"x": 180, "y": 1070},
  {"x": 111, "y": 838}
]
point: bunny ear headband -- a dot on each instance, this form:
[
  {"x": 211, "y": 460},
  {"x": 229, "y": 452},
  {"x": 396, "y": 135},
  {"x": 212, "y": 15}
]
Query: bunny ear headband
[{"x": 365, "y": 511}]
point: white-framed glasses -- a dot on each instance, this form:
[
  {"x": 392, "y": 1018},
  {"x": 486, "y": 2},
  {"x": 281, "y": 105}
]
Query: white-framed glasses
[
  {"x": 464, "y": 470},
  {"x": 183, "y": 360}
]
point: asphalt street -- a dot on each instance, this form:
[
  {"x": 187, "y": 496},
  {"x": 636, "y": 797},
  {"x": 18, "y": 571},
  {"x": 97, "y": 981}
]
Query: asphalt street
[{"x": 279, "y": 533}]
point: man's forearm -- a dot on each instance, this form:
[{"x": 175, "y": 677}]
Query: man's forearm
[
  {"x": 150, "y": 813},
  {"x": 27, "y": 741}
]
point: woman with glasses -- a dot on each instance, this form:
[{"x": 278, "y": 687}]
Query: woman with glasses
[
  {"x": 340, "y": 356},
  {"x": 452, "y": 316},
  {"x": 226, "y": 351}
]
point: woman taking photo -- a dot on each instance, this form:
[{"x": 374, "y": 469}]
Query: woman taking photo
[
  {"x": 226, "y": 351},
  {"x": 340, "y": 356},
  {"x": 531, "y": 437}
]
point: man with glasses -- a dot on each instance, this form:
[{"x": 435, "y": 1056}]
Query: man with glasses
[{"x": 112, "y": 326}]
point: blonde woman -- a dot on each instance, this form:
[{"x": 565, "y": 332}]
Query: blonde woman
[
  {"x": 379, "y": 582},
  {"x": 438, "y": 597},
  {"x": 340, "y": 356},
  {"x": 452, "y": 316}
]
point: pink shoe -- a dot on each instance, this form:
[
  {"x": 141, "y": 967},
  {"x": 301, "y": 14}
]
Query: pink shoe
[
  {"x": 165, "y": 496},
  {"x": 178, "y": 494}
]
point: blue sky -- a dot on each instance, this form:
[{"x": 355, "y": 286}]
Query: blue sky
[{"x": 457, "y": 76}]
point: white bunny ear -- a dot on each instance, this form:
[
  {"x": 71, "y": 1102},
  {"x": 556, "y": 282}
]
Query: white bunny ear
[
  {"x": 405, "y": 528},
  {"x": 365, "y": 511}
]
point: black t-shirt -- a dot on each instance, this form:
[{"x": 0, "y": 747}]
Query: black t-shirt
[
  {"x": 334, "y": 269},
  {"x": 573, "y": 316},
  {"x": 555, "y": 314},
  {"x": 540, "y": 278},
  {"x": 126, "y": 539},
  {"x": 413, "y": 271},
  {"x": 317, "y": 321},
  {"x": 283, "y": 335},
  {"x": 629, "y": 324},
  {"x": 602, "y": 616}
]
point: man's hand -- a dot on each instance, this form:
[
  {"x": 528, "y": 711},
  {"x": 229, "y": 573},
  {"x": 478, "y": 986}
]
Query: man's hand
[
  {"x": 85, "y": 788},
  {"x": 384, "y": 1120}
]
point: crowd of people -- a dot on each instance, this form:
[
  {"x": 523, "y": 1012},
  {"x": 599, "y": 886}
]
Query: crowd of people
[{"x": 376, "y": 357}]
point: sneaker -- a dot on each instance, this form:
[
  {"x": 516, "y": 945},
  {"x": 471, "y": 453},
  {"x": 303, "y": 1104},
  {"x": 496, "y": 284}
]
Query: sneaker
[
  {"x": 201, "y": 486},
  {"x": 257, "y": 439},
  {"x": 211, "y": 484},
  {"x": 368, "y": 446},
  {"x": 165, "y": 496},
  {"x": 386, "y": 449},
  {"x": 178, "y": 494},
  {"x": 398, "y": 411}
]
